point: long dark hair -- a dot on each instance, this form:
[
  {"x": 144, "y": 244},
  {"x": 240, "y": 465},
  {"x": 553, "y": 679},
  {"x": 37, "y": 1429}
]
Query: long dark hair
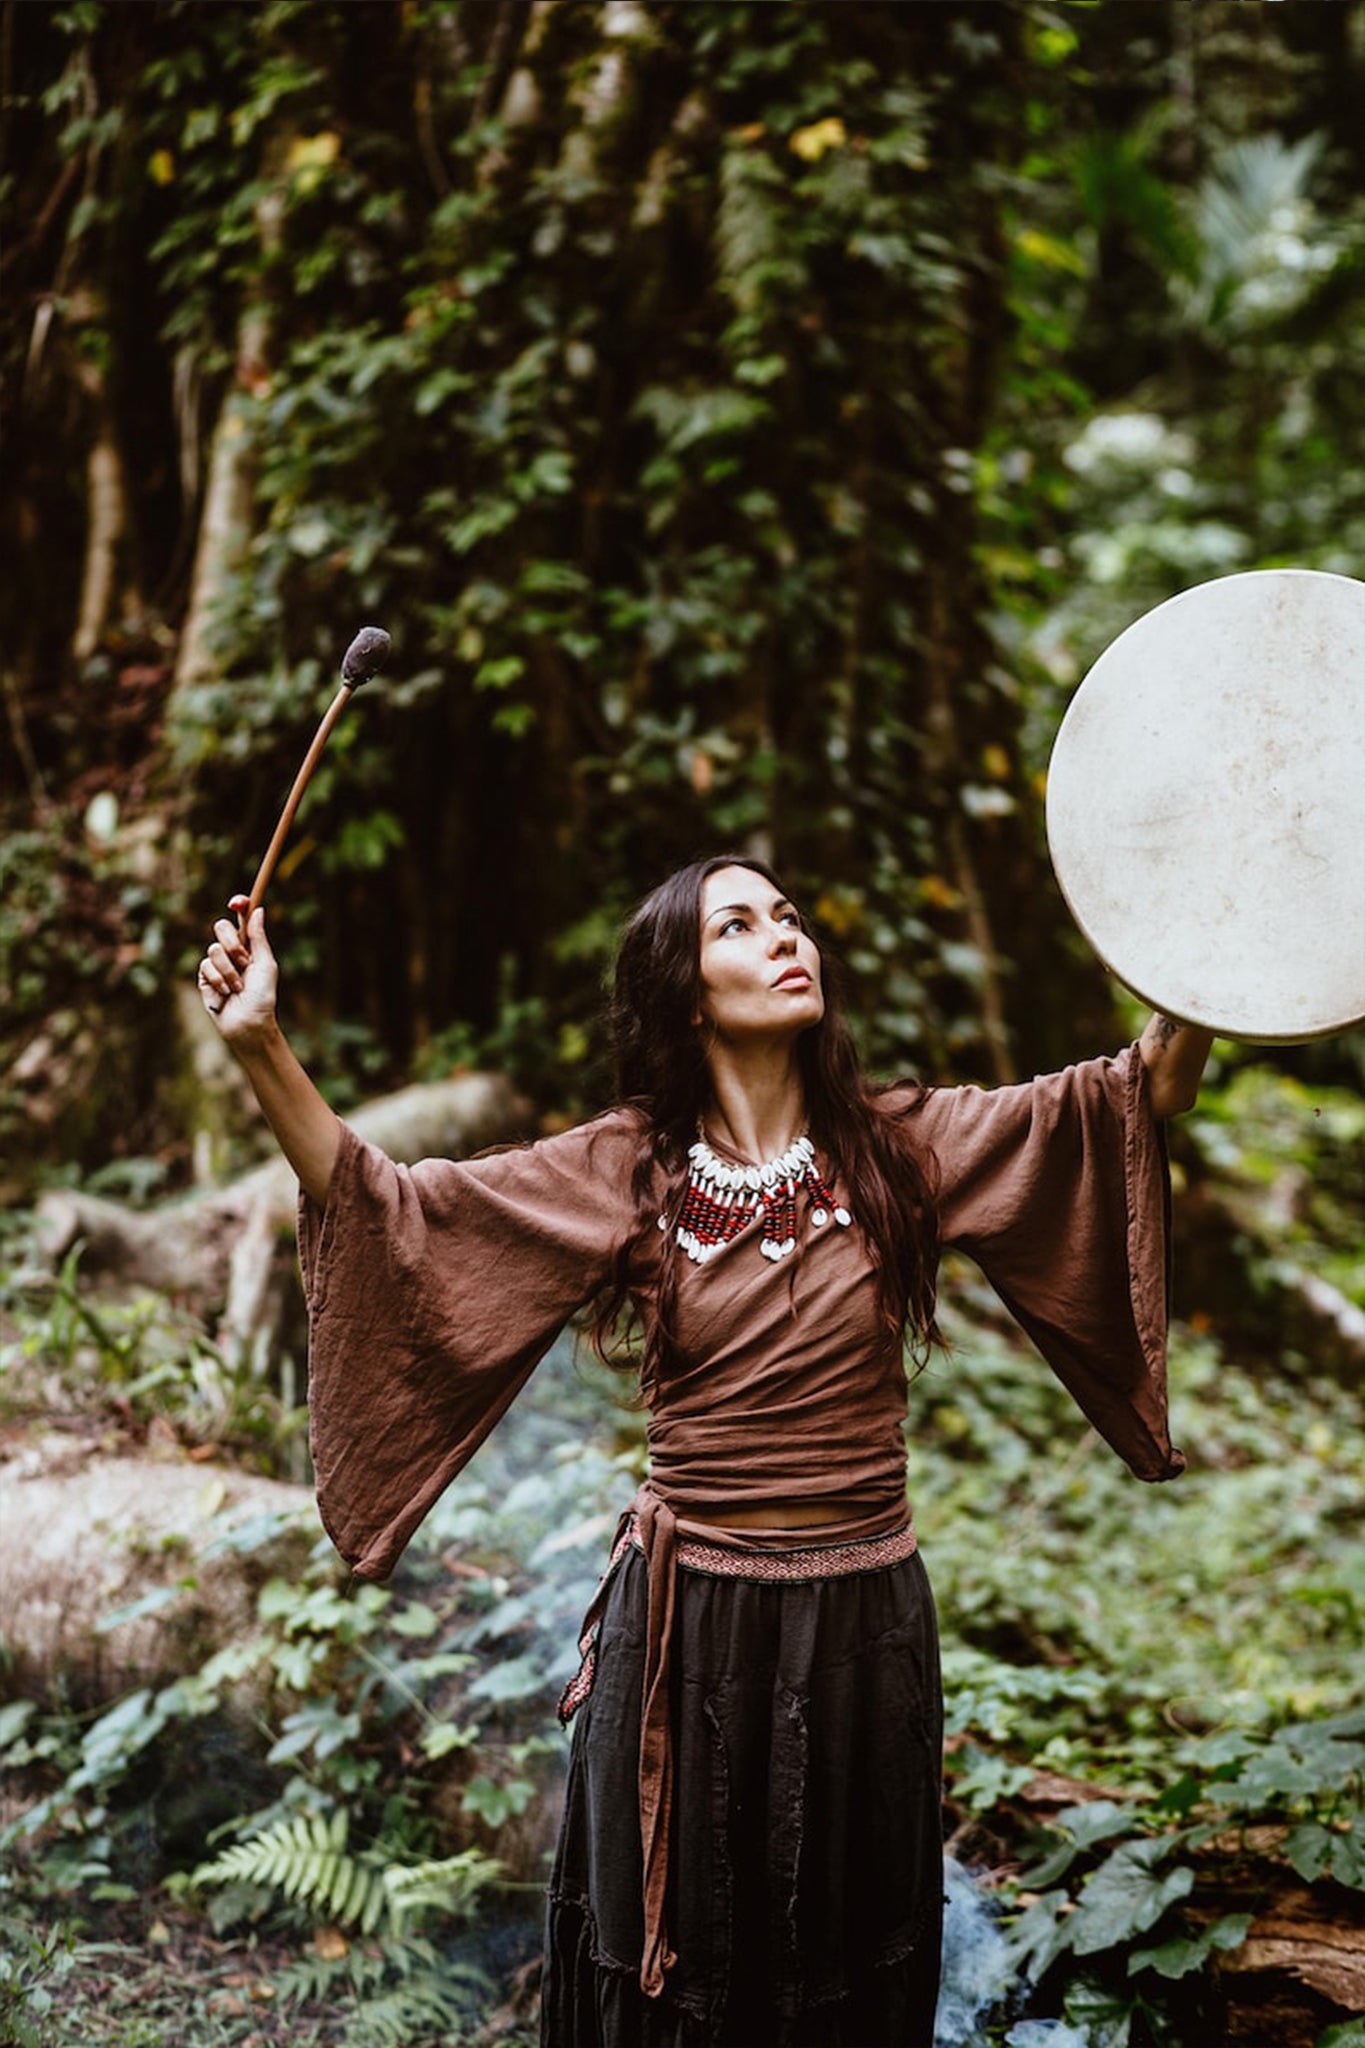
[{"x": 661, "y": 1071}]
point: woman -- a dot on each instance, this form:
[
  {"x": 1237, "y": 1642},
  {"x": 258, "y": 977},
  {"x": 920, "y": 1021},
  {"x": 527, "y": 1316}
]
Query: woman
[{"x": 751, "y": 1854}]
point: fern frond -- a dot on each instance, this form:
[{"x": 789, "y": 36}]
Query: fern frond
[
  {"x": 315, "y": 1979},
  {"x": 306, "y": 1860},
  {"x": 451, "y": 1885},
  {"x": 398, "y": 2017}
]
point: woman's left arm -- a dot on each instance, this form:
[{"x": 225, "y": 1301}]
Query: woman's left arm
[{"x": 1174, "y": 1056}]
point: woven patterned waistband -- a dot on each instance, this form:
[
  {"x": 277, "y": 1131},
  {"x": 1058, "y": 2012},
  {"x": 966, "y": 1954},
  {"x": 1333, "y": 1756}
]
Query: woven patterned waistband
[{"x": 814, "y": 1561}]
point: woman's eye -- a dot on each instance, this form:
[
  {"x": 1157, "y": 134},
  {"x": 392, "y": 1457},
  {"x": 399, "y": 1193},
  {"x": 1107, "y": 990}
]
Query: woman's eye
[{"x": 732, "y": 924}]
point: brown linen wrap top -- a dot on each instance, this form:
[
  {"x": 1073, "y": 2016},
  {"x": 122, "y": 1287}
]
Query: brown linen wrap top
[{"x": 434, "y": 1290}]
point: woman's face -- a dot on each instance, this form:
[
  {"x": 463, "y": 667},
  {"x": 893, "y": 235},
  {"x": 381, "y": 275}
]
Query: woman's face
[{"x": 760, "y": 973}]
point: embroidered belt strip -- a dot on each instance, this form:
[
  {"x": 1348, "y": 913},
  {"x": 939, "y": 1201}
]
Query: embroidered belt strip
[{"x": 819, "y": 1561}]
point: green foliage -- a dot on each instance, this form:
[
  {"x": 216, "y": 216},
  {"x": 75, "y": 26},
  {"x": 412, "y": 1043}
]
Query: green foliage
[
  {"x": 1299, "y": 1151},
  {"x": 361, "y": 1704},
  {"x": 34, "y": 1962},
  {"x": 82, "y": 934},
  {"x": 140, "y": 1359},
  {"x": 751, "y": 437},
  {"x": 345, "y": 1843},
  {"x": 1246, "y": 1571},
  {"x": 1245, "y": 1724},
  {"x": 305, "y": 1859},
  {"x": 1139, "y": 1876},
  {"x": 1239, "y": 1737},
  {"x": 651, "y": 423}
]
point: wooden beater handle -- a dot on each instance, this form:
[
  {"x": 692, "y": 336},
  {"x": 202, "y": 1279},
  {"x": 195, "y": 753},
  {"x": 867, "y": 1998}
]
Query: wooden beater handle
[
  {"x": 292, "y": 802},
  {"x": 366, "y": 654}
]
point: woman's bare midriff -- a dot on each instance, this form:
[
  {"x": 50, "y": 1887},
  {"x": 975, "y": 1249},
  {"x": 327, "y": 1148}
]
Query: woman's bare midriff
[{"x": 776, "y": 1515}]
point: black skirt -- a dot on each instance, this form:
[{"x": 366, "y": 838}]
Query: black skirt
[{"x": 805, "y": 1890}]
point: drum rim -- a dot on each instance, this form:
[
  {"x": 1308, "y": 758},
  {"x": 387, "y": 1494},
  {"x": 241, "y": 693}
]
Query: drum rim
[{"x": 1224, "y": 1027}]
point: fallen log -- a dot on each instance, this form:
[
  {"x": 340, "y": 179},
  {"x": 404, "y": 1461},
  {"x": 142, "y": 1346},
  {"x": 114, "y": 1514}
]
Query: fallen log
[
  {"x": 1303, "y": 1958},
  {"x": 217, "y": 1251},
  {"x": 1327, "y": 1957}
]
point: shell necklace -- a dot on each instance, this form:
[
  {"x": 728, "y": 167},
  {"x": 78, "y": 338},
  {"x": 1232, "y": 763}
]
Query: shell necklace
[{"x": 722, "y": 1200}]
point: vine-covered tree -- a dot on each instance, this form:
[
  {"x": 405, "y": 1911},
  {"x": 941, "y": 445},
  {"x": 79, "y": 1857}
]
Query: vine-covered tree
[{"x": 685, "y": 388}]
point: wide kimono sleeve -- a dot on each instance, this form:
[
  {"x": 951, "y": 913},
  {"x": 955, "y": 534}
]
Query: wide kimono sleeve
[
  {"x": 433, "y": 1291},
  {"x": 1059, "y": 1190}
]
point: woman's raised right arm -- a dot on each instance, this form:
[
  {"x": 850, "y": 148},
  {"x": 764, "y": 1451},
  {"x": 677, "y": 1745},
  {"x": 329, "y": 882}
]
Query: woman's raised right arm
[{"x": 238, "y": 977}]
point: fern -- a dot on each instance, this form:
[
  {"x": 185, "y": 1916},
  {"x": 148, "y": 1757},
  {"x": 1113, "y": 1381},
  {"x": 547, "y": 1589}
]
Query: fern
[
  {"x": 306, "y": 1859},
  {"x": 358, "y": 1973},
  {"x": 1262, "y": 244},
  {"x": 401, "y": 1994},
  {"x": 415, "y": 2010}
]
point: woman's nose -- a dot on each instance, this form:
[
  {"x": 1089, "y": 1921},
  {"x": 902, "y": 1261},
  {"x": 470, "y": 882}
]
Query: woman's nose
[{"x": 783, "y": 939}]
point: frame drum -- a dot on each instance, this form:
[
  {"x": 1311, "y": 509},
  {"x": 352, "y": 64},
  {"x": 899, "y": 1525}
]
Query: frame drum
[{"x": 1206, "y": 806}]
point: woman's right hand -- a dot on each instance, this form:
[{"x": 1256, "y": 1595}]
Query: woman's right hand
[{"x": 238, "y": 977}]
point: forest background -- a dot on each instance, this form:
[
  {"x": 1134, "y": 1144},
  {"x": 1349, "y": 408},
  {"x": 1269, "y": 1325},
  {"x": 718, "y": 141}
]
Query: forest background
[{"x": 750, "y": 422}]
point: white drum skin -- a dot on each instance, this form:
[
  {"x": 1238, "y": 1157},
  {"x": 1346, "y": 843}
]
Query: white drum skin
[{"x": 1206, "y": 806}]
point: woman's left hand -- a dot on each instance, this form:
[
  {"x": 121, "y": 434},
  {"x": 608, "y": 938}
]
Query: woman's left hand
[{"x": 1174, "y": 1055}]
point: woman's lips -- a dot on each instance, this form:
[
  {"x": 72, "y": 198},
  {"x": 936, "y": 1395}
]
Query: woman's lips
[{"x": 792, "y": 976}]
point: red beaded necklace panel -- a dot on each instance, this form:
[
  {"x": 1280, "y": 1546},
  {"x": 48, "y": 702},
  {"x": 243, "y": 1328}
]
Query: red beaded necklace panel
[{"x": 723, "y": 1199}]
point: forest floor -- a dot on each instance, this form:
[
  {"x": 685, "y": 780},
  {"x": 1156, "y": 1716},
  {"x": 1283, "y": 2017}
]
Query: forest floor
[{"x": 134, "y": 1978}]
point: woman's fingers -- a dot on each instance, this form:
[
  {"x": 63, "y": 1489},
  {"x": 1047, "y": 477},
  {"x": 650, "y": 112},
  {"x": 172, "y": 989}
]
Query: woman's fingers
[
  {"x": 226, "y": 959},
  {"x": 228, "y": 970},
  {"x": 232, "y": 941},
  {"x": 224, "y": 953},
  {"x": 212, "y": 987},
  {"x": 241, "y": 940}
]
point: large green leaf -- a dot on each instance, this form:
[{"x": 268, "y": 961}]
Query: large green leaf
[{"x": 1127, "y": 1895}]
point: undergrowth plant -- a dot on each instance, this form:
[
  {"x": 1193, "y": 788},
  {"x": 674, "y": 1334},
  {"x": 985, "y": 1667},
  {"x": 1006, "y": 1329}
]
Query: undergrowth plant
[
  {"x": 373, "y": 1698},
  {"x": 131, "y": 1361},
  {"x": 361, "y": 1713},
  {"x": 1247, "y": 1571},
  {"x": 343, "y": 1848},
  {"x": 1191, "y": 1651},
  {"x": 1127, "y": 1892},
  {"x": 34, "y": 1962}
]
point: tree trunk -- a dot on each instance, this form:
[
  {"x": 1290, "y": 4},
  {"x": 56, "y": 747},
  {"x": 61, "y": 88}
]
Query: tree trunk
[
  {"x": 106, "y": 528},
  {"x": 224, "y": 530},
  {"x": 226, "y": 524}
]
